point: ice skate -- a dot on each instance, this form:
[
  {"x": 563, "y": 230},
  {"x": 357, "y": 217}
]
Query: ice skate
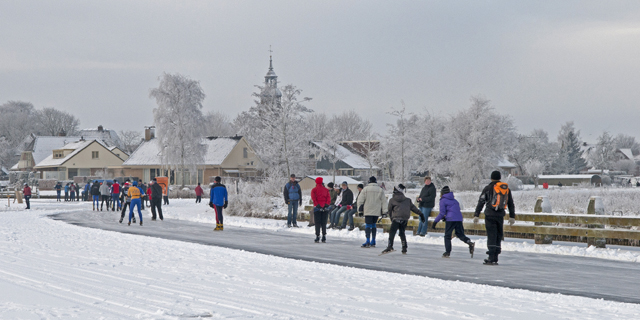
[
  {"x": 317, "y": 239},
  {"x": 324, "y": 239},
  {"x": 446, "y": 255},
  {"x": 472, "y": 247},
  {"x": 387, "y": 250}
]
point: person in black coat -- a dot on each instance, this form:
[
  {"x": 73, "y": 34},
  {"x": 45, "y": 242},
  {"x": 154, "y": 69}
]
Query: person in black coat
[
  {"x": 494, "y": 216},
  {"x": 426, "y": 201},
  {"x": 156, "y": 199}
]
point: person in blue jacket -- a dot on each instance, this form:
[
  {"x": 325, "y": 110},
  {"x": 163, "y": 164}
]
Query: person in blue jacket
[
  {"x": 218, "y": 201},
  {"x": 58, "y": 188},
  {"x": 450, "y": 212},
  {"x": 66, "y": 192},
  {"x": 293, "y": 198}
]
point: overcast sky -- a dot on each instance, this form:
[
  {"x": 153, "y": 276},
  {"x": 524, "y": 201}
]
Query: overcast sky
[{"x": 542, "y": 62}]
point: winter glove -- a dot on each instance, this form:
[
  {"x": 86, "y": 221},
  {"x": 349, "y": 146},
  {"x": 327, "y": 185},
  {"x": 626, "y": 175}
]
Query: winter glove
[
  {"x": 422, "y": 219},
  {"x": 210, "y": 204},
  {"x": 512, "y": 221},
  {"x": 300, "y": 202},
  {"x": 349, "y": 207},
  {"x": 288, "y": 202},
  {"x": 476, "y": 220},
  {"x": 225, "y": 204},
  {"x": 318, "y": 207},
  {"x": 433, "y": 225}
]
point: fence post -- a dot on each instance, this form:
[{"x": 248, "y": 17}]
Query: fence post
[{"x": 596, "y": 206}]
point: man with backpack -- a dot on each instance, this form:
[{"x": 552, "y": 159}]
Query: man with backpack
[
  {"x": 218, "y": 200},
  {"x": 497, "y": 198},
  {"x": 156, "y": 199},
  {"x": 293, "y": 198}
]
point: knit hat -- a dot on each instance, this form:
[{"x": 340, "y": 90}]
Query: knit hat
[
  {"x": 445, "y": 190},
  {"x": 319, "y": 180},
  {"x": 344, "y": 183},
  {"x": 373, "y": 180},
  {"x": 217, "y": 179},
  {"x": 496, "y": 175},
  {"x": 361, "y": 186},
  {"x": 135, "y": 183},
  {"x": 330, "y": 185}
]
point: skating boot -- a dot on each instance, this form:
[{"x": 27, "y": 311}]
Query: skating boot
[
  {"x": 387, "y": 250},
  {"x": 324, "y": 239},
  {"x": 134, "y": 220},
  {"x": 472, "y": 246},
  {"x": 120, "y": 220},
  {"x": 317, "y": 239},
  {"x": 366, "y": 244},
  {"x": 404, "y": 247},
  {"x": 129, "y": 223},
  {"x": 350, "y": 228},
  {"x": 373, "y": 243},
  {"x": 446, "y": 255},
  {"x": 141, "y": 223}
]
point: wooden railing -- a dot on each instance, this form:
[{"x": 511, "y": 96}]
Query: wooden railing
[{"x": 597, "y": 230}]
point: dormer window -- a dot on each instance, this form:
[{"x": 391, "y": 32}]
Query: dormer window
[{"x": 58, "y": 154}]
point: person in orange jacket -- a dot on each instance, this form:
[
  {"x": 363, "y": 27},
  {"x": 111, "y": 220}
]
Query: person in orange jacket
[{"x": 321, "y": 199}]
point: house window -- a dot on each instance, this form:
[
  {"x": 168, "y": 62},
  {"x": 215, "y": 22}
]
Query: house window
[
  {"x": 58, "y": 155},
  {"x": 245, "y": 153},
  {"x": 94, "y": 155}
]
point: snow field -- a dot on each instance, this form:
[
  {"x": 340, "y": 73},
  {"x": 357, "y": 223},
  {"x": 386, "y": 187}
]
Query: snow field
[{"x": 53, "y": 270}]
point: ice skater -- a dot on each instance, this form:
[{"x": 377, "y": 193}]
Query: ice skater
[
  {"x": 450, "y": 212},
  {"x": 497, "y": 198},
  {"x": 321, "y": 199},
  {"x": 136, "y": 201},
  {"x": 400, "y": 208},
  {"x": 373, "y": 203},
  {"x": 218, "y": 200}
]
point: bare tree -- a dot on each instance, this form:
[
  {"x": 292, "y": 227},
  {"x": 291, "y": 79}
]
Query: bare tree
[
  {"x": 54, "y": 122},
  {"x": 131, "y": 139}
]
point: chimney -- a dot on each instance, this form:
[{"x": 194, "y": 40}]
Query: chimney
[
  {"x": 149, "y": 133},
  {"x": 100, "y": 128}
]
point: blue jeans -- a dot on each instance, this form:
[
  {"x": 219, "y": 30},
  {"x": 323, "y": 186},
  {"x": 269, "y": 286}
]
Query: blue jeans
[
  {"x": 348, "y": 215},
  {"x": 422, "y": 227},
  {"x": 96, "y": 201},
  {"x": 335, "y": 214},
  {"x": 135, "y": 203},
  {"x": 293, "y": 212},
  {"x": 115, "y": 199},
  {"x": 58, "y": 193}
]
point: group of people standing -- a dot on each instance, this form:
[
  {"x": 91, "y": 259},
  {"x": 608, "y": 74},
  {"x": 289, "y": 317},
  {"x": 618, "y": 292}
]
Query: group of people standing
[
  {"x": 71, "y": 191},
  {"x": 371, "y": 202}
]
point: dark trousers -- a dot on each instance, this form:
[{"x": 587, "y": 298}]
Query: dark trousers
[
  {"x": 26, "y": 199},
  {"x": 218, "y": 210},
  {"x": 142, "y": 201},
  {"x": 156, "y": 204},
  {"x": 320, "y": 216},
  {"x": 124, "y": 208},
  {"x": 166, "y": 200},
  {"x": 73, "y": 196},
  {"x": 198, "y": 199},
  {"x": 494, "y": 226},
  {"x": 103, "y": 200},
  {"x": 66, "y": 196},
  {"x": 451, "y": 226},
  {"x": 398, "y": 225}
]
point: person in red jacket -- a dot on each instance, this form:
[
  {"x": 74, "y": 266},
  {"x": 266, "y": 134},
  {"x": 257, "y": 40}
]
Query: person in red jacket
[
  {"x": 321, "y": 199},
  {"x": 199, "y": 193},
  {"x": 27, "y": 195}
]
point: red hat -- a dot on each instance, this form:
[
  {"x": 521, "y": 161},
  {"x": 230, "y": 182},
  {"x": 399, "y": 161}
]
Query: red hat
[{"x": 319, "y": 180}]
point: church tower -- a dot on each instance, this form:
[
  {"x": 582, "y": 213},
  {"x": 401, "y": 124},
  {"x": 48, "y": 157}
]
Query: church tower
[{"x": 270, "y": 90}]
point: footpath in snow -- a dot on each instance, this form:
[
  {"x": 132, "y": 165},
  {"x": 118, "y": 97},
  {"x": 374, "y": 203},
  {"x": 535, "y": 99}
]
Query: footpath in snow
[{"x": 53, "y": 270}]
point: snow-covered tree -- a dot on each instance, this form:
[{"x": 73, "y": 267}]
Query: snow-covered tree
[
  {"x": 533, "y": 148},
  {"x": 570, "y": 156},
  {"x": 52, "y": 122},
  {"x": 17, "y": 121},
  {"x": 350, "y": 126},
  {"x": 396, "y": 143},
  {"x": 431, "y": 145},
  {"x": 481, "y": 138},
  {"x": 318, "y": 126},
  {"x": 130, "y": 139},
  {"x": 276, "y": 128},
  {"x": 534, "y": 168},
  {"x": 604, "y": 153},
  {"x": 624, "y": 141},
  {"x": 179, "y": 122},
  {"x": 218, "y": 124}
]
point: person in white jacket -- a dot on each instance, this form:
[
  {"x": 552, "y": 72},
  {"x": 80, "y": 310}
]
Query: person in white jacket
[
  {"x": 372, "y": 203},
  {"x": 105, "y": 195}
]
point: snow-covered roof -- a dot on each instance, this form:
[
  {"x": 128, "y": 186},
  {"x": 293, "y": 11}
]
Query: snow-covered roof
[
  {"x": 567, "y": 176},
  {"x": 627, "y": 153},
  {"x": 76, "y": 146},
  {"x": 505, "y": 164},
  {"x": 148, "y": 153},
  {"x": 44, "y": 146},
  {"x": 109, "y": 136},
  {"x": 339, "y": 179},
  {"x": 345, "y": 155},
  {"x": 4, "y": 170}
]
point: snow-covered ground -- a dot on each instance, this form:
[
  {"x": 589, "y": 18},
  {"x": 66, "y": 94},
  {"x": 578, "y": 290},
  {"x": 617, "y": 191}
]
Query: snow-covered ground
[{"x": 53, "y": 270}]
